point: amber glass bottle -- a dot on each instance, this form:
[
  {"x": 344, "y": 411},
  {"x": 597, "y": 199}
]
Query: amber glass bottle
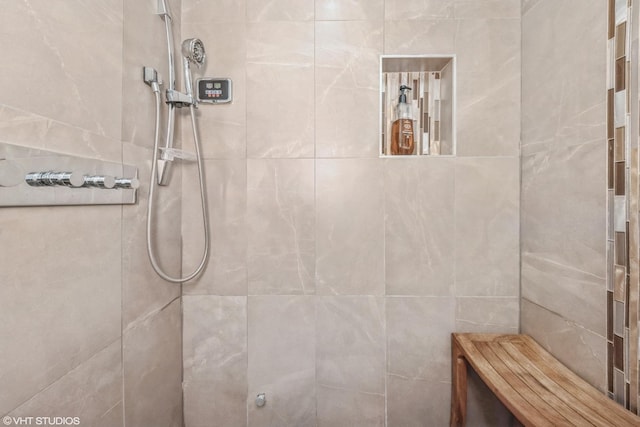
[{"x": 402, "y": 142}]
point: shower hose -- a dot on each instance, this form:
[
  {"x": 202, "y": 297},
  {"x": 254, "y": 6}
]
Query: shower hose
[{"x": 153, "y": 184}]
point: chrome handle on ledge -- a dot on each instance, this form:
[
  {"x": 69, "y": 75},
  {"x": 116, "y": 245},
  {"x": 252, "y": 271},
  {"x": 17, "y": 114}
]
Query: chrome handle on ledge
[
  {"x": 75, "y": 180},
  {"x": 67, "y": 179},
  {"x": 100, "y": 181},
  {"x": 127, "y": 183},
  {"x": 36, "y": 177}
]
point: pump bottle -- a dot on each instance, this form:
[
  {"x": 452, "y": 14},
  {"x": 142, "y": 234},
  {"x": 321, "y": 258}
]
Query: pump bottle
[{"x": 402, "y": 128}]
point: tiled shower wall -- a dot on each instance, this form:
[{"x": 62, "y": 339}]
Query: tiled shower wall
[
  {"x": 335, "y": 276},
  {"x": 585, "y": 310},
  {"x": 622, "y": 198},
  {"x": 564, "y": 176},
  {"x": 88, "y": 329}
]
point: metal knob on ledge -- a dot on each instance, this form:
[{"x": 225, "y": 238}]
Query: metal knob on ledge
[
  {"x": 36, "y": 177},
  {"x": 127, "y": 183},
  {"x": 50, "y": 178},
  {"x": 11, "y": 173},
  {"x": 76, "y": 180},
  {"x": 100, "y": 181}
]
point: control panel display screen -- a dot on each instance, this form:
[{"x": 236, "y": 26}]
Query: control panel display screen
[{"x": 214, "y": 91}]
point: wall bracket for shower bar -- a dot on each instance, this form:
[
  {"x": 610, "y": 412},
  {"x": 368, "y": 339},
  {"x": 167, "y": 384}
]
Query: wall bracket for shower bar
[
  {"x": 180, "y": 99},
  {"x": 163, "y": 9},
  {"x": 34, "y": 177}
]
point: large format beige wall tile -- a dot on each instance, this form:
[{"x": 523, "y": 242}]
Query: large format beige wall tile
[
  {"x": 350, "y": 359},
  {"x": 279, "y": 10},
  {"x": 419, "y": 359},
  {"x": 52, "y": 71},
  {"x": 419, "y": 226},
  {"x": 416, "y": 402},
  {"x": 281, "y": 226},
  {"x": 31, "y": 130},
  {"x": 349, "y": 10},
  {"x": 419, "y": 37},
  {"x": 402, "y": 10},
  {"x": 587, "y": 127},
  {"x": 561, "y": 288},
  {"x": 487, "y": 226},
  {"x": 208, "y": 11},
  {"x": 561, "y": 104},
  {"x": 347, "y": 88},
  {"x": 527, "y": 5},
  {"x": 143, "y": 291},
  {"x": 488, "y": 114},
  {"x": 152, "y": 359},
  {"x": 563, "y": 232},
  {"x": 215, "y": 360},
  {"x": 280, "y": 90},
  {"x": 282, "y": 360},
  {"x": 222, "y": 127},
  {"x": 584, "y": 352},
  {"x": 351, "y": 343},
  {"x": 419, "y": 337},
  {"x": 339, "y": 407},
  {"x": 90, "y": 392},
  {"x": 349, "y": 227},
  {"x": 114, "y": 417},
  {"x": 496, "y": 315},
  {"x": 488, "y": 76},
  {"x": 488, "y": 46},
  {"x": 226, "y": 272},
  {"x": 487, "y": 8},
  {"x": 61, "y": 286}
]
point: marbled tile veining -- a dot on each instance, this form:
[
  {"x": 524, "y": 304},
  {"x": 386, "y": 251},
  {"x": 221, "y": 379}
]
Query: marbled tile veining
[{"x": 355, "y": 268}]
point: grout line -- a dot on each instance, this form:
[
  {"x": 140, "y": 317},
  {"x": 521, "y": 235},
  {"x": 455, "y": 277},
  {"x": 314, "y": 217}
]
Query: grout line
[
  {"x": 246, "y": 338},
  {"x": 148, "y": 316},
  {"x": 70, "y": 371},
  {"x": 182, "y": 355},
  {"x": 315, "y": 208},
  {"x": 384, "y": 233}
]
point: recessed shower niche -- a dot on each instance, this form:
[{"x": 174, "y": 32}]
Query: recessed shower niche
[{"x": 417, "y": 105}]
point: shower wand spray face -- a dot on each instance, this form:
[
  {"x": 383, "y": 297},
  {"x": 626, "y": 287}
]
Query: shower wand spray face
[{"x": 193, "y": 50}]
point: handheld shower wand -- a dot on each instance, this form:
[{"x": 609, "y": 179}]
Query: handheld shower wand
[{"x": 192, "y": 52}]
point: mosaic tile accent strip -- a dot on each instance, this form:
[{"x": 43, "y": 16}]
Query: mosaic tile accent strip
[
  {"x": 632, "y": 285},
  {"x": 623, "y": 257}
]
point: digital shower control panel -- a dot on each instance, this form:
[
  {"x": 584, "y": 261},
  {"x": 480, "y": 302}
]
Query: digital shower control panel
[{"x": 214, "y": 91}]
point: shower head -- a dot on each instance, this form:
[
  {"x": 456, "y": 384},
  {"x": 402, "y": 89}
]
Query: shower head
[{"x": 193, "y": 50}]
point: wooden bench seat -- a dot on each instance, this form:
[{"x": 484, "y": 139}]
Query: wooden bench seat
[{"x": 530, "y": 382}]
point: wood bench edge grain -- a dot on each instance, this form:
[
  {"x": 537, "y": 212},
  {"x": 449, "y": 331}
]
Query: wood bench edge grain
[{"x": 537, "y": 388}]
